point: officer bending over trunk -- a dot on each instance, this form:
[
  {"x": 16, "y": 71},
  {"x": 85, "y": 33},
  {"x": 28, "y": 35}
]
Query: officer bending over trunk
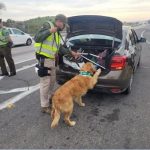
[{"x": 47, "y": 45}]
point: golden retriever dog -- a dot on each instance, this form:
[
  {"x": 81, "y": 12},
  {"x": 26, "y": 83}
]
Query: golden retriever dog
[{"x": 73, "y": 90}]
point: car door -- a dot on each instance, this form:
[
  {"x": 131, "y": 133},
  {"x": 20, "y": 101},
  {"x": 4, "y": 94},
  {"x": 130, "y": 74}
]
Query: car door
[
  {"x": 137, "y": 45},
  {"x": 13, "y": 36},
  {"x": 133, "y": 50},
  {"x": 19, "y": 36}
]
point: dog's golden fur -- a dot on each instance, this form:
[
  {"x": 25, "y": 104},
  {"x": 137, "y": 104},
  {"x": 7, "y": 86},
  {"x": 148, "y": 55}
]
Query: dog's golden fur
[{"x": 73, "y": 90}]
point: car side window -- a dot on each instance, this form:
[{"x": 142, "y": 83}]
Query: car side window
[
  {"x": 135, "y": 36},
  {"x": 17, "y": 32}
]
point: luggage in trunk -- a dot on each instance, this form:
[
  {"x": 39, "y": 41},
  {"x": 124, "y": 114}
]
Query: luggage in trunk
[{"x": 98, "y": 35}]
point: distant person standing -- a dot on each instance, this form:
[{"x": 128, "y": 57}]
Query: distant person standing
[{"x": 5, "y": 52}]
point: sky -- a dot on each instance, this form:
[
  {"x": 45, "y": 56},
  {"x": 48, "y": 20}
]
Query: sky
[{"x": 124, "y": 10}]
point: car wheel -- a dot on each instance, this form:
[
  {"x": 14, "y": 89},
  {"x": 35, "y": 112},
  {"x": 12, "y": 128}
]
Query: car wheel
[
  {"x": 29, "y": 42},
  {"x": 128, "y": 90}
]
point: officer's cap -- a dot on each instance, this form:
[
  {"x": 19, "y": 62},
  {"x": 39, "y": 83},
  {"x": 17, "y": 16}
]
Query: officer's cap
[{"x": 62, "y": 18}]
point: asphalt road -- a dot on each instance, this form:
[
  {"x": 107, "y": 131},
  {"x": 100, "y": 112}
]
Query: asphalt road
[{"x": 107, "y": 121}]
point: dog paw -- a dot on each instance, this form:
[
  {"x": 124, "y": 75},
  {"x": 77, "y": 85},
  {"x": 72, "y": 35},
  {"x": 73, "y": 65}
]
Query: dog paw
[
  {"x": 53, "y": 126},
  {"x": 82, "y": 104},
  {"x": 72, "y": 123},
  {"x": 98, "y": 71}
]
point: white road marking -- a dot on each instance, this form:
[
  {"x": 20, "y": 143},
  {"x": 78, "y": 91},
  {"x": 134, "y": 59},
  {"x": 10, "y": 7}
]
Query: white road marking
[
  {"x": 20, "y": 62},
  {"x": 23, "y": 68},
  {"x": 1, "y": 78},
  {"x": 22, "y": 89},
  {"x": 145, "y": 67},
  {"x": 142, "y": 34},
  {"x": 19, "y": 97},
  {"x": 147, "y": 42}
]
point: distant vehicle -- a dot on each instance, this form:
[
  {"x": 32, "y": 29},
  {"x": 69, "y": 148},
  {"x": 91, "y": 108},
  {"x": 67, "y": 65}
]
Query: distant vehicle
[
  {"x": 19, "y": 37},
  {"x": 118, "y": 49}
]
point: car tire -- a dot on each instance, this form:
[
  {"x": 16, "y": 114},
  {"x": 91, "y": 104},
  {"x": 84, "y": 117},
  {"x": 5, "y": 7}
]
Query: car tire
[
  {"x": 29, "y": 42},
  {"x": 128, "y": 90}
]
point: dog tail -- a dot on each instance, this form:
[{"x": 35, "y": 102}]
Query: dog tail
[{"x": 55, "y": 115}]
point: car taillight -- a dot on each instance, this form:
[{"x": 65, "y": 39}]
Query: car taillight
[{"x": 118, "y": 62}]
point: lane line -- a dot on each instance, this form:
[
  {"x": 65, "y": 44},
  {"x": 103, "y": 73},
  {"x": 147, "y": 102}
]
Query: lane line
[
  {"x": 147, "y": 42},
  {"x": 21, "y": 69},
  {"x": 142, "y": 35},
  {"x": 26, "y": 67},
  {"x": 22, "y": 89},
  {"x": 1, "y": 77},
  {"x": 19, "y": 96},
  {"x": 20, "y": 62},
  {"x": 145, "y": 67}
]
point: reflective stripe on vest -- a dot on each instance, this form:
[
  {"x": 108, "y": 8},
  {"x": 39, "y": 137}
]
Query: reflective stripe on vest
[
  {"x": 50, "y": 46},
  {"x": 3, "y": 40}
]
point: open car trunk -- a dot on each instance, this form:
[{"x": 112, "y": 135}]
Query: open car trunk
[
  {"x": 92, "y": 24},
  {"x": 97, "y": 35}
]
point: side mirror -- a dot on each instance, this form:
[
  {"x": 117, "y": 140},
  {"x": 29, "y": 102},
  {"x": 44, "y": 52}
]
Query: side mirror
[{"x": 142, "y": 40}]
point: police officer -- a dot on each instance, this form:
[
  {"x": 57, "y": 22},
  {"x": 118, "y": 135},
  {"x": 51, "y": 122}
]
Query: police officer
[
  {"x": 45, "y": 53},
  {"x": 5, "y": 52}
]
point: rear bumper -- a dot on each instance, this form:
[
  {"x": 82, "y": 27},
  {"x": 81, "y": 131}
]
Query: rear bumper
[{"x": 106, "y": 83}]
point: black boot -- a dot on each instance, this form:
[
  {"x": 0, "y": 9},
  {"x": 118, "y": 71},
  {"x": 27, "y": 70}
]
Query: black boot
[
  {"x": 4, "y": 74},
  {"x": 12, "y": 74}
]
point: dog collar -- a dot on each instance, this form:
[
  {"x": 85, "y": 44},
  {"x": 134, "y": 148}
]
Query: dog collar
[{"x": 88, "y": 74}]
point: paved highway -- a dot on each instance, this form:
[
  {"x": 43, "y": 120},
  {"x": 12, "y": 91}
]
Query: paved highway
[{"x": 107, "y": 121}]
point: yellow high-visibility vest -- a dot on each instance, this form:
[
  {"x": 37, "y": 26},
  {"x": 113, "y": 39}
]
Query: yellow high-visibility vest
[
  {"x": 3, "y": 38},
  {"x": 50, "y": 46}
]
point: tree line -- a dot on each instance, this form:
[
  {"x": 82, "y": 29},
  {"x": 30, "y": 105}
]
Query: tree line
[
  {"x": 33, "y": 25},
  {"x": 29, "y": 26}
]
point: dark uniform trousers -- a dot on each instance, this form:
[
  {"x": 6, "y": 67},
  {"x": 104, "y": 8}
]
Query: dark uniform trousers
[{"x": 5, "y": 52}]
